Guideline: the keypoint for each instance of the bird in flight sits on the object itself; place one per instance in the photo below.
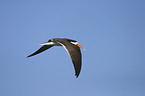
(72, 47)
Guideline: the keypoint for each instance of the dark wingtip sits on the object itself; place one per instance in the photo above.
(76, 75)
(28, 56)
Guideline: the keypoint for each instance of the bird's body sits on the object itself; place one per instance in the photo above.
(71, 46)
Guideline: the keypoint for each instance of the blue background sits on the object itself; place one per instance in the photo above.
(111, 31)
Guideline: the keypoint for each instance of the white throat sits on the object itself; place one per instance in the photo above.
(74, 43)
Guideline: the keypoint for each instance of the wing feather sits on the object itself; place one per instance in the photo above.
(43, 48)
(75, 54)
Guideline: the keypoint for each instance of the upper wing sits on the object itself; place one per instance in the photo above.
(43, 48)
(75, 54)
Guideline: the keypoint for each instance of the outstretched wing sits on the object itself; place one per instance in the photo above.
(43, 48)
(75, 54)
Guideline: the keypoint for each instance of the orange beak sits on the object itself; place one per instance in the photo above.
(80, 46)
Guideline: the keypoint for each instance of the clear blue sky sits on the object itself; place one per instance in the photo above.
(111, 31)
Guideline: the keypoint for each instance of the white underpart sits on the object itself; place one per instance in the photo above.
(74, 43)
(48, 43)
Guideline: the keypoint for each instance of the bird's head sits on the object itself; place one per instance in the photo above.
(76, 43)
